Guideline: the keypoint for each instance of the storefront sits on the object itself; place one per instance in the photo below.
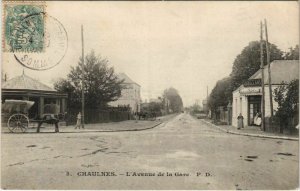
(247, 99)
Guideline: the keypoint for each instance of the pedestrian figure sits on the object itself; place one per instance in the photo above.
(257, 119)
(78, 124)
(240, 121)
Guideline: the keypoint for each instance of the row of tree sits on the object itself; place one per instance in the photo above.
(170, 102)
(244, 66)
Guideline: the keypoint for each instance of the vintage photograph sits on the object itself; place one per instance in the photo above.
(150, 95)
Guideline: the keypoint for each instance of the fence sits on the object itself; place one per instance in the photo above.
(98, 115)
(223, 115)
(287, 126)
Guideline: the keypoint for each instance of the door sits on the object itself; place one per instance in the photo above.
(254, 107)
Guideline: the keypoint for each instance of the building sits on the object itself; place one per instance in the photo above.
(247, 98)
(130, 95)
(26, 88)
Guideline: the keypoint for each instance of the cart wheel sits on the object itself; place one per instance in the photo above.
(18, 123)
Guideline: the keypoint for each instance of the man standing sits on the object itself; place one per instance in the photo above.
(78, 123)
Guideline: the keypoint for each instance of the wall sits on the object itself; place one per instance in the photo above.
(129, 96)
(239, 105)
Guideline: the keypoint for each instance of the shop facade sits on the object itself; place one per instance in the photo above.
(247, 99)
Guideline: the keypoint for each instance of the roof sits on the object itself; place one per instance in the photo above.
(281, 70)
(126, 79)
(25, 82)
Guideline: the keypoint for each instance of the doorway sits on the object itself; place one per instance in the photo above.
(254, 106)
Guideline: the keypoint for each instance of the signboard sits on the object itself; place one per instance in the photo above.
(250, 91)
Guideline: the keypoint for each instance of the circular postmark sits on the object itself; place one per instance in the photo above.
(53, 47)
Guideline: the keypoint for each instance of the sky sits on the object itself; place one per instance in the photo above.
(185, 45)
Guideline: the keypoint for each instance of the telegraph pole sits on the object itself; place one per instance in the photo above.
(269, 69)
(206, 93)
(262, 78)
(82, 80)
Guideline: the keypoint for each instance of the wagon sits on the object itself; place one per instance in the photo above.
(16, 111)
(147, 115)
(16, 114)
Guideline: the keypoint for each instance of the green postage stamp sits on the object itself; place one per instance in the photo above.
(24, 27)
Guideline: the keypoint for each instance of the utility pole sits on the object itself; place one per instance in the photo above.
(262, 78)
(206, 93)
(269, 69)
(82, 80)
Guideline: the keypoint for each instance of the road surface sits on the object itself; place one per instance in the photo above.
(182, 153)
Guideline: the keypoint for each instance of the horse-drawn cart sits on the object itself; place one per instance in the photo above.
(16, 114)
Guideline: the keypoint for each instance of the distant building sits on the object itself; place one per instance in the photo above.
(247, 98)
(26, 88)
(130, 95)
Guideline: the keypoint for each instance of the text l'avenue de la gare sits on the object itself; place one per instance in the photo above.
(139, 174)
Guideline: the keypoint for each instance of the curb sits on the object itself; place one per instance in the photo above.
(92, 131)
(251, 135)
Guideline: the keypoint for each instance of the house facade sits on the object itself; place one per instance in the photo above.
(247, 99)
(130, 95)
(26, 88)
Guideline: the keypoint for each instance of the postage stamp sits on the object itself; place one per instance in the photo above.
(24, 27)
(34, 38)
(54, 48)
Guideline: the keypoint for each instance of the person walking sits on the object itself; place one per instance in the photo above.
(78, 123)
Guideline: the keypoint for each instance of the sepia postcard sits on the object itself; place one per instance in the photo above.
(150, 95)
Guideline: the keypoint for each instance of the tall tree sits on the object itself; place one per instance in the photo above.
(248, 62)
(220, 94)
(174, 98)
(244, 66)
(100, 82)
(293, 54)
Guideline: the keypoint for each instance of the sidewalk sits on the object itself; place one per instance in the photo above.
(130, 125)
(251, 131)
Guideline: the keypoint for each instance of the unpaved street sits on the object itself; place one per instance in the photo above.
(197, 156)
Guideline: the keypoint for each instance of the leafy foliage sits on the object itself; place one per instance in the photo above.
(293, 54)
(100, 83)
(287, 97)
(153, 107)
(173, 96)
(244, 66)
(220, 94)
(196, 109)
(248, 62)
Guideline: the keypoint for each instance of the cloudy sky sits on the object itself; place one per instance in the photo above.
(185, 45)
